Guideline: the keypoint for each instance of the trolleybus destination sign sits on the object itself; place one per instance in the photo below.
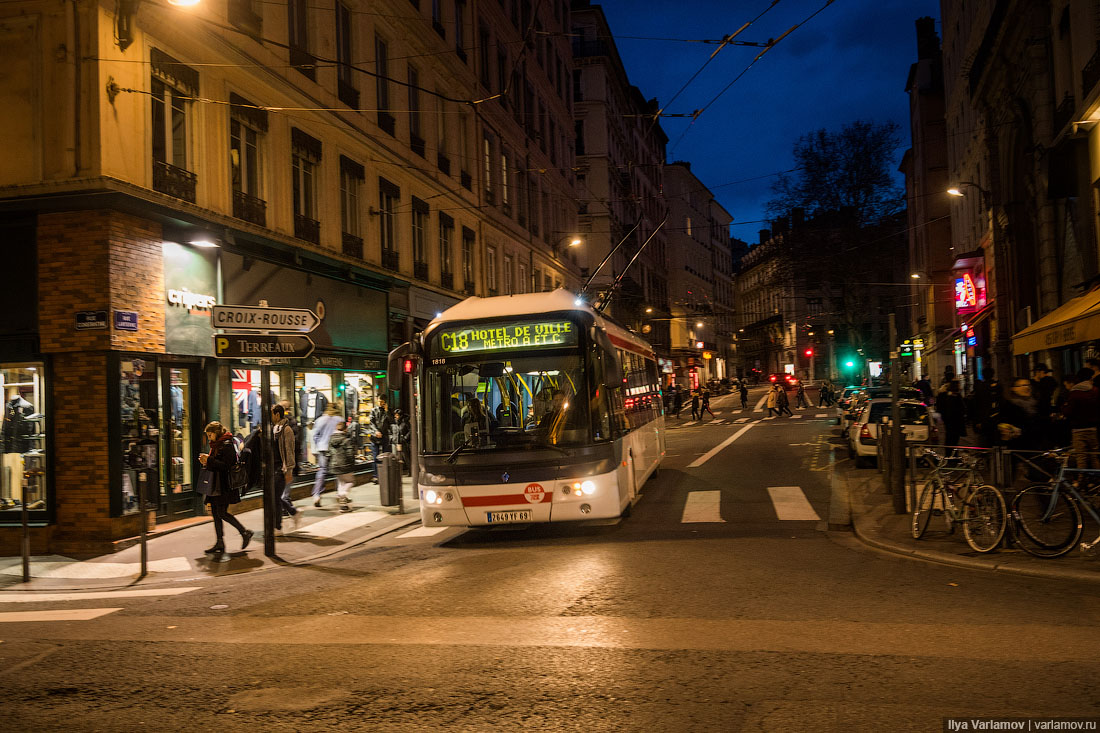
(507, 336)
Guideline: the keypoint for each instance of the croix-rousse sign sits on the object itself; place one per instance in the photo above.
(262, 318)
(258, 346)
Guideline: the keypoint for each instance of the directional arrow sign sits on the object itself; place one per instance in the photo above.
(258, 346)
(260, 318)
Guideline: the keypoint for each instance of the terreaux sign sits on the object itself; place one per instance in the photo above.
(507, 336)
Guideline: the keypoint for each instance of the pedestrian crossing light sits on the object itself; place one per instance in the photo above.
(809, 352)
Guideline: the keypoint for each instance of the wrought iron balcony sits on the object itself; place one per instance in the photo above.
(469, 288)
(174, 181)
(443, 163)
(391, 259)
(420, 271)
(348, 94)
(353, 246)
(307, 229)
(250, 208)
(417, 144)
(1090, 74)
(447, 280)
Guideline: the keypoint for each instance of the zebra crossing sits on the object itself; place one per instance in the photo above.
(77, 614)
(789, 503)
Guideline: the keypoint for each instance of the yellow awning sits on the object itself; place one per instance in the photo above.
(1074, 322)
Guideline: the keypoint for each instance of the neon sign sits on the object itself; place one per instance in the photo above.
(507, 336)
(969, 292)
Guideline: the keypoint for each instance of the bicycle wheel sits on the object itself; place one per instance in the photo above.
(922, 512)
(1047, 518)
(985, 517)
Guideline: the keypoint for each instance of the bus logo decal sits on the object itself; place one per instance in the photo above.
(534, 493)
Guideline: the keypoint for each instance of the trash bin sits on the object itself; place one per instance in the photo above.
(389, 482)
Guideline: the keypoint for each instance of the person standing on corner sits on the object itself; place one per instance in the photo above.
(322, 432)
(744, 389)
(952, 409)
(221, 458)
(380, 423)
(677, 402)
(284, 467)
(400, 435)
(341, 464)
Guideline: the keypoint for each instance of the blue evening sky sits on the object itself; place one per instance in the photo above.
(849, 62)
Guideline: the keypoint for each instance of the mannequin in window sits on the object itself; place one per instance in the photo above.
(16, 426)
(311, 404)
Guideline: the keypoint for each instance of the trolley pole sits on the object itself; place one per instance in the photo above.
(897, 435)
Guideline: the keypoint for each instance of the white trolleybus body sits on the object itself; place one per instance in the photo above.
(534, 409)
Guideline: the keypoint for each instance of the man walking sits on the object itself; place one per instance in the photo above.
(285, 462)
(695, 405)
(772, 402)
(783, 402)
(322, 433)
(744, 395)
(677, 401)
(705, 404)
(800, 401)
(380, 425)
(1082, 410)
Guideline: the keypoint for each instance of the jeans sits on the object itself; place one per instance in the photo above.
(344, 482)
(219, 509)
(319, 480)
(378, 446)
(282, 495)
(1084, 447)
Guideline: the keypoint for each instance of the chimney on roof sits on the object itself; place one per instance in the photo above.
(928, 43)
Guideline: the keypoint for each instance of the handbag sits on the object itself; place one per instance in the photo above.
(207, 482)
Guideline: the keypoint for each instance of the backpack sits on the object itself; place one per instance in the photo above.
(239, 479)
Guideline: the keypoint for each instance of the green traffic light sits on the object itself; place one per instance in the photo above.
(849, 363)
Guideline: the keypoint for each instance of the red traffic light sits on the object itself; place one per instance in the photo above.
(809, 352)
(408, 366)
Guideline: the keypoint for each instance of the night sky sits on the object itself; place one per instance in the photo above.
(849, 62)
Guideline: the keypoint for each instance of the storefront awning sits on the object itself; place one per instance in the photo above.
(1074, 322)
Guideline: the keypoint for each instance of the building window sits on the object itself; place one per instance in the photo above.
(345, 87)
(298, 37)
(305, 159)
(446, 250)
(464, 148)
(547, 283)
(171, 84)
(351, 182)
(437, 18)
(242, 13)
(509, 286)
(247, 126)
(505, 199)
(483, 57)
(468, 260)
(687, 225)
(416, 137)
(491, 270)
(382, 84)
(487, 167)
(522, 282)
(420, 238)
(23, 478)
(441, 147)
(460, 28)
(521, 199)
(388, 197)
(502, 72)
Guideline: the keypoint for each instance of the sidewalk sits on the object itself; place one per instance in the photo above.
(321, 531)
(875, 524)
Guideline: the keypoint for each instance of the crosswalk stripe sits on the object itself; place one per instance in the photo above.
(31, 597)
(791, 504)
(423, 532)
(689, 424)
(718, 448)
(742, 419)
(703, 506)
(73, 569)
(339, 524)
(760, 405)
(67, 614)
(822, 414)
(796, 417)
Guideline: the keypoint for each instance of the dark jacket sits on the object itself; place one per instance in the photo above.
(341, 454)
(380, 422)
(401, 432)
(223, 456)
(1082, 406)
(952, 410)
(1022, 415)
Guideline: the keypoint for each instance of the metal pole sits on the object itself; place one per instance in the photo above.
(414, 441)
(267, 446)
(897, 478)
(143, 518)
(26, 538)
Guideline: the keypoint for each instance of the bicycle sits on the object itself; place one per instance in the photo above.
(1049, 515)
(983, 513)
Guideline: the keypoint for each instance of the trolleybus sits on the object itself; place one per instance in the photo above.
(532, 408)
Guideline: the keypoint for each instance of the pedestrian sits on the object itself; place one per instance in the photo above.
(952, 409)
(744, 389)
(1082, 410)
(925, 388)
(400, 434)
(216, 463)
(800, 398)
(695, 400)
(1043, 388)
(783, 402)
(1094, 364)
(380, 422)
(299, 434)
(322, 432)
(285, 462)
(677, 402)
(705, 404)
(341, 463)
(772, 402)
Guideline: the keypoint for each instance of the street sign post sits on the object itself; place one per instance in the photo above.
(263, 318)
(260, 346)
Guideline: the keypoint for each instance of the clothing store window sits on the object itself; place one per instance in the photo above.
(314, 394)
(360, 394)
(247, 413)
(139, 409)
(23, 433)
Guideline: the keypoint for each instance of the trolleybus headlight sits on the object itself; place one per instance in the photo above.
(432, 497)
(588, 487)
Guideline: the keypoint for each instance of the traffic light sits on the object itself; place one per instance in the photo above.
(849, 364)
(809, 352)
(408, 366)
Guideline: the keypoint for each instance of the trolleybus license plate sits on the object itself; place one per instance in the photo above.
(517, 516)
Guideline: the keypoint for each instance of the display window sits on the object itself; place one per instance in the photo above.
(314, 396)
(245, 415)
(359, 399)
(23, 432)
(139, 412)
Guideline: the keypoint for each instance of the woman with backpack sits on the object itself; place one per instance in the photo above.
(215, 484)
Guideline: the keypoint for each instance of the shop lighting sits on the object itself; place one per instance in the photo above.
(201, 242)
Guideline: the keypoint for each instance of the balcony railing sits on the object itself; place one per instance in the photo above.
(307, 229)
(466, 180)
(250, 208)
(353, 245)
(420, 271)
(391, 259)
(443, 163)
(582, 49)
(447, 280)
(348, 94)
(304, 62)
(1063, 113)
(468, 288)
(173, 181)
(1090, 74)
(386, 121)
(417, 144)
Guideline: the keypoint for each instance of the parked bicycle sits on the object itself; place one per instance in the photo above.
(1048, 515)
(956, 490)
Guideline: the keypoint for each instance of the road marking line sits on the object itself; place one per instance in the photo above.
(791, 504)
(339, 524)
(67, 614)
(796, 417)
(689, 424)
(703, 506)
(760, 405)
(423, 532)
(31, 597)
(742, 419)
(822, 414)
(718, 448)
(74, 569)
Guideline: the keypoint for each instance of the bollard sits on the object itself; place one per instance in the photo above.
(389, 483)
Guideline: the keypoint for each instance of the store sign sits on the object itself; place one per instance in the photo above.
(262, 318)
(969, 292)
(91, 321)
(190, 285)
(507, 336)
(971, 338)
(251, 346)
(666, 365)
(191, 301)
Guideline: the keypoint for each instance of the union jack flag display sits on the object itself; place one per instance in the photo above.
(244, 381)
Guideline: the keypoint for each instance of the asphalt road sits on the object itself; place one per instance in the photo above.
(704, 610)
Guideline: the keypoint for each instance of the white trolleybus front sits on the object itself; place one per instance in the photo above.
(534, 409)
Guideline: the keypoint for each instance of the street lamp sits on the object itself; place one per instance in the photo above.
(958, 192)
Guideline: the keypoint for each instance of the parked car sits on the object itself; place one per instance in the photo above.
(871, 393)
(843, 400)
(862, 434)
